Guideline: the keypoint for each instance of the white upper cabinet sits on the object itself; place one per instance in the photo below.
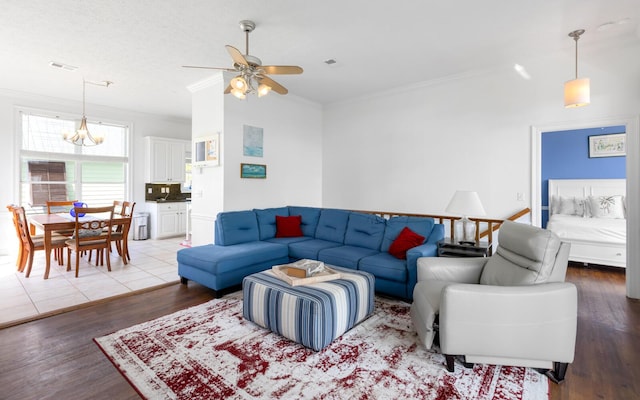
(165, 159)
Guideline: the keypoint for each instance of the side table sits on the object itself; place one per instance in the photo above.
(452, 248)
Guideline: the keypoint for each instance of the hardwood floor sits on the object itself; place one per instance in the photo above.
(607, 360)
(55, 358)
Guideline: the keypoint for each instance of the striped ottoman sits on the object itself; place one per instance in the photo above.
(312, 315)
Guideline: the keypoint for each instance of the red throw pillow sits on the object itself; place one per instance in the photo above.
(405, 240)
(288, 226)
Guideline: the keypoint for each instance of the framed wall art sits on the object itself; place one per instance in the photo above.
(206, 151)
(253, 171)
(607, 145)
(252, 141)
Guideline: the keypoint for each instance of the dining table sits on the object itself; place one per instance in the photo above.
(49, 223)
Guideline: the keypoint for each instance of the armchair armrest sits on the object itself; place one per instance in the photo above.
(536, 322)
(461, 270)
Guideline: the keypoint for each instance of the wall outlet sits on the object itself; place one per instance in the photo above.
(520, 196)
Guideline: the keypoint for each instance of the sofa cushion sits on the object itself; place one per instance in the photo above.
(309, 248)
(345, 256)
(525, 256)
(288, 226)
(267, 220)
(385, 266)
(365, 230)
(223, 259)
(420, 225)
(405, 240)
(332, 225)
(233, 227)
(310, 216)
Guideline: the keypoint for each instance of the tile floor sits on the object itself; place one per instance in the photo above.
(153, 263)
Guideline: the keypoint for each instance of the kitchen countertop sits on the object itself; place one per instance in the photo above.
(169, 200)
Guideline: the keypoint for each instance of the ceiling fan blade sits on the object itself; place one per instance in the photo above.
(237, 57)
(275, 86)
(281, 69)
(227, 90)
(194, 66)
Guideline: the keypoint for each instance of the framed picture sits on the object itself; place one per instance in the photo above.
(206, 151)
(608, 145)
(252, 141)
(253, 171)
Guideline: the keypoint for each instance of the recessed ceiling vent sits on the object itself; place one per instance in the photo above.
(60, 65)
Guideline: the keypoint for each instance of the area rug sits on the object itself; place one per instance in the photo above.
(210, 352)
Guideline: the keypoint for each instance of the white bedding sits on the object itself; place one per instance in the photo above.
(603, 230)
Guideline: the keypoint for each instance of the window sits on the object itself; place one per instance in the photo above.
(52, 169)
(48, 182)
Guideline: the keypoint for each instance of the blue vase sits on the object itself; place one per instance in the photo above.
(77, 204)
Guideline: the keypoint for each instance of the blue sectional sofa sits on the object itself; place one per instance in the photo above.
(248, 241)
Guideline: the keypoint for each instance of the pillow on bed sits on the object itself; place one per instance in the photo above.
(571, 206)
(567, 205)
(607, 206)
(582, 207)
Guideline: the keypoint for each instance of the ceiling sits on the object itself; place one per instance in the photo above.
(140, 45)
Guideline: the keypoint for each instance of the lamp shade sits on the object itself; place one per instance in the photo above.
(577, 93)
(466, 203)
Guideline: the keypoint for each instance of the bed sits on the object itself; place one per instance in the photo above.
(591, 215)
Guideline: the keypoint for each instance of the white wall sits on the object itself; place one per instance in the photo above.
(141, 125)
(409, 150)
(292, 129)
(208, 182)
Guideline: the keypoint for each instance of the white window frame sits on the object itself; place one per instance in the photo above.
(76, 157)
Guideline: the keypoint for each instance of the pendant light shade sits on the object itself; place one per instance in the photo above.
(577, 92)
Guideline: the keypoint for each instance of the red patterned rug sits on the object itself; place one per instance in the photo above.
(211, 352)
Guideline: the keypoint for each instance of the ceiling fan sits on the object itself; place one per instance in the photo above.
(252, 75)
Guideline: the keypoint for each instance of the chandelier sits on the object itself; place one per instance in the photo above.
(82, 136)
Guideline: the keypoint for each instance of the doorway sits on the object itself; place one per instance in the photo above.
(631, 125)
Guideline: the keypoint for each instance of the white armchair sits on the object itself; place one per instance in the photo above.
(512, 308)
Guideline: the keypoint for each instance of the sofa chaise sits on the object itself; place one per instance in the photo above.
(251, 241)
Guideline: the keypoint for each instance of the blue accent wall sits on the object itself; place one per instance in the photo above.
(565, 155)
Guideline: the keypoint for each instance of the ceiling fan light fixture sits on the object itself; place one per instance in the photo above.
(263, 90)
(239, 83)
(238, 93)
(577, 92)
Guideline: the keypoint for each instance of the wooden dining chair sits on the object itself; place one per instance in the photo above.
(58, 207)
(120, 231)
(91, 232)
(32, 243)
(19, 261)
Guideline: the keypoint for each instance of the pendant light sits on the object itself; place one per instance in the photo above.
(576, 91)
(82, 136)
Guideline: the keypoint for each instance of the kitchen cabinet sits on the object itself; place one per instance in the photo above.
(165, 159)
(167, 219)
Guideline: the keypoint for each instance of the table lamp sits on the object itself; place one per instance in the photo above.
(466, 203)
